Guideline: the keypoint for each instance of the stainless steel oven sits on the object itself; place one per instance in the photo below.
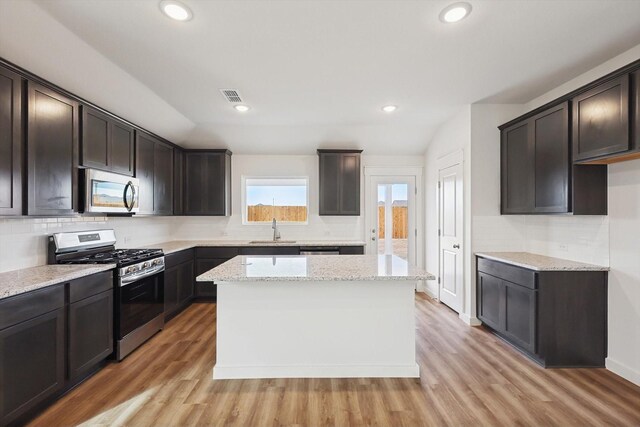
(106, 192)
(139, 304)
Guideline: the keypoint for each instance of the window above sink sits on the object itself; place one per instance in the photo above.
(284, 198)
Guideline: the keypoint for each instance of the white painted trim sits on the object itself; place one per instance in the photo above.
(393, 171)
(471, 321)
(334, 371)
(451, 159)
(623, 370)
(429, 293)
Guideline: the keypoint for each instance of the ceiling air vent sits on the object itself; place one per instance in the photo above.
(232, 95)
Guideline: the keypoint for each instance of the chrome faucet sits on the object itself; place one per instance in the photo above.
(276, 233)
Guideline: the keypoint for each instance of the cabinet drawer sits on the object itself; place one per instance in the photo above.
(177, 258)
(220, 252)
(271, 250)
(20, 308)
(351, 250)
(91, 285)
(510, 273)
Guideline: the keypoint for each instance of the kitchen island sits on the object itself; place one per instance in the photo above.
(315, 316)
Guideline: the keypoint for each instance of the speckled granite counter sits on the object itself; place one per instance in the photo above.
(181, 245)
(539, 262)
(29, 279)
(315, 268)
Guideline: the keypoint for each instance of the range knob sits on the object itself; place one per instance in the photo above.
(145, 265)
(156, 262)
(129, 270)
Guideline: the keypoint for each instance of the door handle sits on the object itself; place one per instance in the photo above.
(456, 246)
(373, 239)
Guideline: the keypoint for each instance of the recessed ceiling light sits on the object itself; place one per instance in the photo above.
(241, 108)
(176, 10)
(455, 12)
(389, 108)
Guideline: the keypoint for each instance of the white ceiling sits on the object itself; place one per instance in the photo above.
(316, 73)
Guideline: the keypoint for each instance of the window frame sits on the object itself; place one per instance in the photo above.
(244, 207)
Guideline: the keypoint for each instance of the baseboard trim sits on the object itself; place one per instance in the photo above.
(623, 370)
(471, 321)
(345, 371)
(430, 293)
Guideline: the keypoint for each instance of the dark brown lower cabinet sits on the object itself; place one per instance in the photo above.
(90, 333)
(50, 339)
(32, 351)
(557, 318)
(351, 250)
(178, 282)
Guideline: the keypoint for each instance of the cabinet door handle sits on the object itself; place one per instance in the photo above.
(456, 246)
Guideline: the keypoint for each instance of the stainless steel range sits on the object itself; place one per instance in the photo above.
(139, 282)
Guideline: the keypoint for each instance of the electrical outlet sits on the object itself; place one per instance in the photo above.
(563, 247)
(127, 239)
(327, 233)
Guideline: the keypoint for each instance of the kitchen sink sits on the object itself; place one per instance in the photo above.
(272, 241)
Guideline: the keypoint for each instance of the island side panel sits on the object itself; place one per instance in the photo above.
(315, 330)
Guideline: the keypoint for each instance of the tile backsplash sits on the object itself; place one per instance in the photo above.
(23, 241)
(577, 238)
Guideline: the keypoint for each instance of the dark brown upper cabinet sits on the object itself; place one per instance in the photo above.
(339, 182)
(537, 175)
(11, 120)
(207, 182)
(163, 179)
(601, 120)
(517, 169)
(552, 160)
(154, 169)
(52, 152)
(107, 143)
(178, 181)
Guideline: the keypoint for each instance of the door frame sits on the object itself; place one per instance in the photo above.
(449, 160)
(413, 171)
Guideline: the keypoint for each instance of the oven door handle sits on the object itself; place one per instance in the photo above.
(124, 281)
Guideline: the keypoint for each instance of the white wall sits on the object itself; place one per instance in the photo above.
(32, 39)
(453, 135)
(624, 277)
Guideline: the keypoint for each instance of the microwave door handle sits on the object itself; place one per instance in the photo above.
(133, 196)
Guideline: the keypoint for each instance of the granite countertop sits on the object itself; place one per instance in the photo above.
(29, 279)
(302, 268)
(181, 245)
(540, 262)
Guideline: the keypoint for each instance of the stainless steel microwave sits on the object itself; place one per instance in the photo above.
(107, 192)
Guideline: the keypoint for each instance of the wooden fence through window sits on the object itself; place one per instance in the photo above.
(400, 216)
(265, 213)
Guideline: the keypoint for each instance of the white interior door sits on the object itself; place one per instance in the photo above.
(392, 216)
(451, 236)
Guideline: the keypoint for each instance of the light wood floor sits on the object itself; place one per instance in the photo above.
(468, 377)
